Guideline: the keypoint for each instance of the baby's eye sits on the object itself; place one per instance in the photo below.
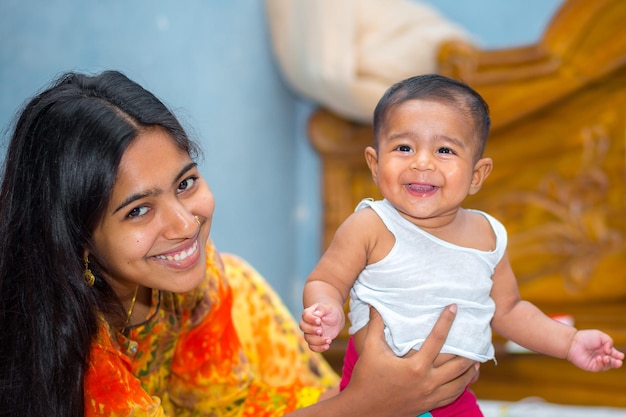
(138, 211)
(186, 184)
(445, 150)
(404, 148)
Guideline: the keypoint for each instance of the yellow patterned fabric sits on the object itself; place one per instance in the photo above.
(228, 348)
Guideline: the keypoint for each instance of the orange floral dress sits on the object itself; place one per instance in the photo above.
(228, 348)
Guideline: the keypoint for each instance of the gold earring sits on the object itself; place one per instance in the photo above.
(90, 278)
(197, 219)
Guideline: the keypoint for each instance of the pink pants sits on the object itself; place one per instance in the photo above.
(465, 405)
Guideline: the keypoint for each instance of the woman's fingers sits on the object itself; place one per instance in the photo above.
(434, 342)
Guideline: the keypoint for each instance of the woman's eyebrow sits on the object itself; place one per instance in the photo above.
(155, 191)
(183, 171)
(138, 196)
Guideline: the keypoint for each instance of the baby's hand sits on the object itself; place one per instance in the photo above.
(320, 324)
(592, 350)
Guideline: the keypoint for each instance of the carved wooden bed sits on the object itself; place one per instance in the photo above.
(559, 185)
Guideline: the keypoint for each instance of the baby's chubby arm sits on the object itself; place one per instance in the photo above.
(522, 322)
(328, 287)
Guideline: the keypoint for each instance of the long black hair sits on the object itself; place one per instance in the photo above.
(60, 168)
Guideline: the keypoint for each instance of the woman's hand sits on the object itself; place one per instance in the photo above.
(410, 385)
(383, 384)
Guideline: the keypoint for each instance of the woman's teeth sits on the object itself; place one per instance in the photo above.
(181, 256)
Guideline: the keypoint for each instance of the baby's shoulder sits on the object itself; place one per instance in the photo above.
(362, 219)
(486, 220)
(481, 224)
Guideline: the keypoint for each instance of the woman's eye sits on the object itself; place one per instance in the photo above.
(138, 211)
(186, 184)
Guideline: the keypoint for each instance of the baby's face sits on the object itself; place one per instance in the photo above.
(425, 161)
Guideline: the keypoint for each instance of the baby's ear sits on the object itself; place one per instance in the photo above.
(371, 157)
(482, 169)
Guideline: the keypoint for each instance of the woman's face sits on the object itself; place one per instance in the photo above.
(149, 235)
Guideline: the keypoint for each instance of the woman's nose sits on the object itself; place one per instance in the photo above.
(180, 223)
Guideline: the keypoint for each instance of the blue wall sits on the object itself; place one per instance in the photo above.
(500, 24)
(211, 61)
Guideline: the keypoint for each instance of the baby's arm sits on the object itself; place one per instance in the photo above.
(523, 323)
(328, 287)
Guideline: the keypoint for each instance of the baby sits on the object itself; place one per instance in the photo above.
(417, 251)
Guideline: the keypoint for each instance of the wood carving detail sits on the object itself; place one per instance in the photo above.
(577, 232)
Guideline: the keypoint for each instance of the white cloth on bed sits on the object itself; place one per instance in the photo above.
(344, 54)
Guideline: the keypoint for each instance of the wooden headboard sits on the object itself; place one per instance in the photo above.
(558, 142)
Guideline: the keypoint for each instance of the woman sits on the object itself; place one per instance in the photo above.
(115, 302)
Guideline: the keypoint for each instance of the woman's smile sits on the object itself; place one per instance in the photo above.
(182, 258)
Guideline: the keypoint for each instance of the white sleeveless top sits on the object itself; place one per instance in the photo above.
(419, 277)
